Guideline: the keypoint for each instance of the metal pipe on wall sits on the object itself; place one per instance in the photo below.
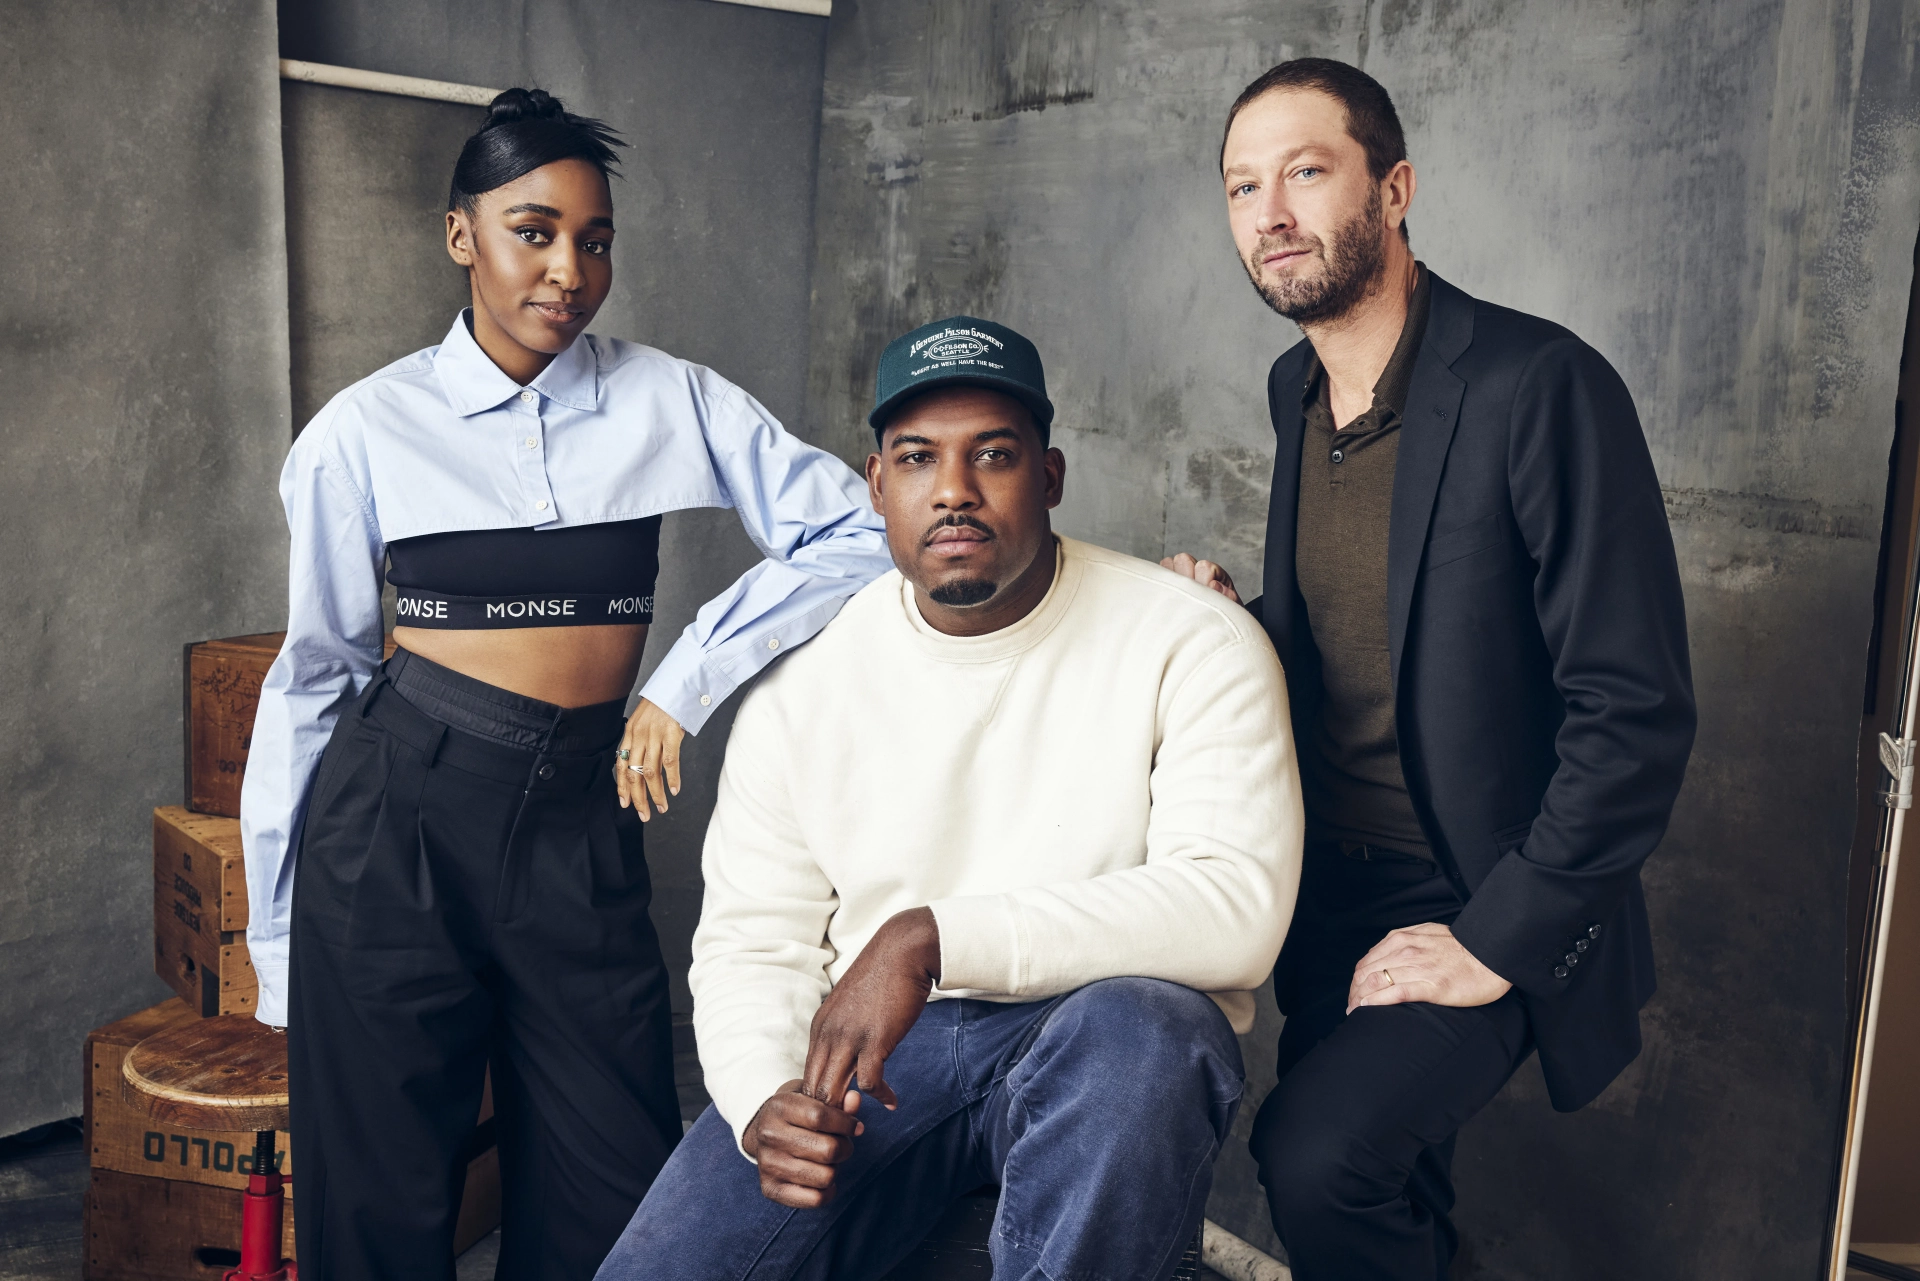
(818, 8)
(320, 73)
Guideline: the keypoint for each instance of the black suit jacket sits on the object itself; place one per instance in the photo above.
(1539, 647)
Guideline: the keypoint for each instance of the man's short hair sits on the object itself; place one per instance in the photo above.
(1371, 119)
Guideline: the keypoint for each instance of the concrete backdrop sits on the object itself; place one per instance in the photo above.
(1723, 199)
(143, 344)
(721, 104)
(368, 276)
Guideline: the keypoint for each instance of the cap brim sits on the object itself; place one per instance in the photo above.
(1039, 406)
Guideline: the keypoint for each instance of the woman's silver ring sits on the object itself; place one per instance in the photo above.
(636, 769)
(623, 753)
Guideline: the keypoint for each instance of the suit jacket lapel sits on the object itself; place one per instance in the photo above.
(1283, 506)
(1426, 433)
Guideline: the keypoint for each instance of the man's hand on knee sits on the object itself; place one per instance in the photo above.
(874, 1004)
(798, 1141)
(1423, 963)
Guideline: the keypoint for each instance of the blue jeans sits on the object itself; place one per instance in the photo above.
(1098, 1113)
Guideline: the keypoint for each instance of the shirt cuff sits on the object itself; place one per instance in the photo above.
(746, 1090)
(271, 1005)
(684, 688)
(980, 947)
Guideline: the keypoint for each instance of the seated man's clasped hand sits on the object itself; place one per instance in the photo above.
(803, 1132)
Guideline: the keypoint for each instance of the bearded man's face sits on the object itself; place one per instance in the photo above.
(1307, 215)
(1309, 278)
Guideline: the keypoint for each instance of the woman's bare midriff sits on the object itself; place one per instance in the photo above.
(566, 666)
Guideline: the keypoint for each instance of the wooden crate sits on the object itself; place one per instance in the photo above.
(198, 855)
(161, 1198)
(223, 693)
(145, 1229)
(200, 911)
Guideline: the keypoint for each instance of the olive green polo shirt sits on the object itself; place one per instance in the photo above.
(1350, 768)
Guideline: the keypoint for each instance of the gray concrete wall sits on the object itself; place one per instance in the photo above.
(721, 103)
(143, 345)
(368, 276)
(1723, 199)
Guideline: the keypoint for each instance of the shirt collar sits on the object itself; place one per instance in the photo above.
(471, 381)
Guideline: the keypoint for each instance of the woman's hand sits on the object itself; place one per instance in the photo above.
(651, 768)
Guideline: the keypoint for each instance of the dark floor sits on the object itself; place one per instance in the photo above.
(43, 1178)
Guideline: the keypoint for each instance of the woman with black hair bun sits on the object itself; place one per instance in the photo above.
(470, 886)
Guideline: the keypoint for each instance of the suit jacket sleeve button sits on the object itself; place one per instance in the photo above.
(1581, 945)
(1593, 931)
(1572, 958)
(1561, 971)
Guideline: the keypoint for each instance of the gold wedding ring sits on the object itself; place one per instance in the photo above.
(1389, 974)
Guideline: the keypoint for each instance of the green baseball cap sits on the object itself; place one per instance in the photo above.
(960, 351)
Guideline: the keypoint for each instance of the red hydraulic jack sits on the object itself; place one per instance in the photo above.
(262, 1220)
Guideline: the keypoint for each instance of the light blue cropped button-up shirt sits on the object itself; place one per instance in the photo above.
(444, 440)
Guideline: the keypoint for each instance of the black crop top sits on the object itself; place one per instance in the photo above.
(479, 578)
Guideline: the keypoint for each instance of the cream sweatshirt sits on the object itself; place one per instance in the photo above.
(1105, 788)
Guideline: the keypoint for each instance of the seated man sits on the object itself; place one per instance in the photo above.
(982, 852)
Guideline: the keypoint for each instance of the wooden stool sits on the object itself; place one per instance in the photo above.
(225, 1073)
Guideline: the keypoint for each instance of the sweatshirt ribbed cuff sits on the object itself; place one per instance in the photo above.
(744, 1089)
(980, 946)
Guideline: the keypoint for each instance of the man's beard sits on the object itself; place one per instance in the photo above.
(965, 591)
(961, 592)
(1355, 258)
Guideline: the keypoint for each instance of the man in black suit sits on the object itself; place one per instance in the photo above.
(1471, 582)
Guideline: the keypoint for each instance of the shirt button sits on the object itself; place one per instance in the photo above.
(527, 396)
(1338, 456)
(774, 643)
(706, 700)
(541, 505)
(532, 443)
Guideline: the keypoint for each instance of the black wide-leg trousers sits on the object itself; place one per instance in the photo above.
(1355, 1143)
(465, 899)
